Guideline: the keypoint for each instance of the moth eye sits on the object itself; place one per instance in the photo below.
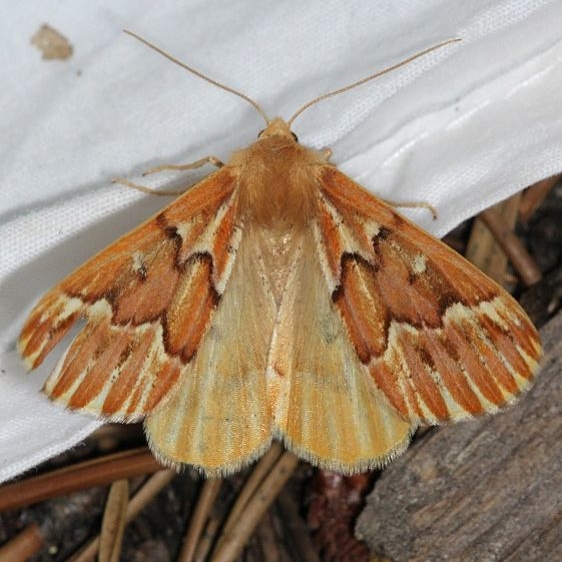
(293, 135)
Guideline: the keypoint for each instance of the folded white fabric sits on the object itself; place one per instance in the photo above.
(462, 128)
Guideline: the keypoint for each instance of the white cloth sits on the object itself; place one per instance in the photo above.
(461, 128)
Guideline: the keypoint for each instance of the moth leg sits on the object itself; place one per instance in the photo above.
(327, 153)
(413, 205)
(193, 165)
(145, 189)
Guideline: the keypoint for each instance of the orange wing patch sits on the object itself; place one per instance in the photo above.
(147, 300)
(441, 340)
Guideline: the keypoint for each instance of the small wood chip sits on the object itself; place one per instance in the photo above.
(51, 43)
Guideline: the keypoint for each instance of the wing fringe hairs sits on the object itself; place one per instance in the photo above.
(279, 299)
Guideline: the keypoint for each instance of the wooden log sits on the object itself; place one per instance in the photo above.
(489, 489)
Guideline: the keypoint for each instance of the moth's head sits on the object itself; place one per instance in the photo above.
(278, 128)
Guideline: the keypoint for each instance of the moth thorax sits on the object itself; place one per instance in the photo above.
(279, 190)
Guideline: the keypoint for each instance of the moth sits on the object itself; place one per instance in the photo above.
(278, 299)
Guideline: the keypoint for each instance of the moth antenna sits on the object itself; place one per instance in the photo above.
(201, 75)
(370, 77)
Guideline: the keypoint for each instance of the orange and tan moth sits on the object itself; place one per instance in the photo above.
(278, 299)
